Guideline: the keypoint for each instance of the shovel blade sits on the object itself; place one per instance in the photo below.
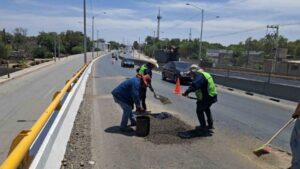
(163, 100)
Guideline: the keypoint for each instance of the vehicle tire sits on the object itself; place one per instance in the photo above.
(163, 77)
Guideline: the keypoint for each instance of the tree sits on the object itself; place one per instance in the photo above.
(149, 40)
(114, 45)
(4, 50)
(77, 50)
(136, 45)
(40, 52)
(19, 38)
(70, 39)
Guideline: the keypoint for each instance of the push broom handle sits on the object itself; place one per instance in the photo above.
(279, 131)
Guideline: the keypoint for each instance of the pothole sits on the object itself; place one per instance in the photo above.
(164, 129)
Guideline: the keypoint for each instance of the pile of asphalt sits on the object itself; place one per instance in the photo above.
(165, 130)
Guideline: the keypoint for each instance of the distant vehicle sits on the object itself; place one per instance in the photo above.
(176, 69)
(127, 63)
(166, 55)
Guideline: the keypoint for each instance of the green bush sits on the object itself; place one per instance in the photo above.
(41, 52)
(77, 50)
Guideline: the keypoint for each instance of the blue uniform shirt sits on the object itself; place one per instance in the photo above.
(128, 91)
(199, 82)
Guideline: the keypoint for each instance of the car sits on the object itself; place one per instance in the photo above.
(127, 63)
(176, 69)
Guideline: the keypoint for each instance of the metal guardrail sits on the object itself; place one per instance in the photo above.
(18, 156)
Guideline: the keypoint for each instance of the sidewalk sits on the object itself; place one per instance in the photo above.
(25, 71)
(28, 70)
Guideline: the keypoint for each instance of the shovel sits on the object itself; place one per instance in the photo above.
(191, 97)
(162, 99)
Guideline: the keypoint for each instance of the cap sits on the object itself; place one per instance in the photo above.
(194, 68)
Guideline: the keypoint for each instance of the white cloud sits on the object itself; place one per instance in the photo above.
(121, 22)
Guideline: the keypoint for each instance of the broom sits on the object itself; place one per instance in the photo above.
(265, 149)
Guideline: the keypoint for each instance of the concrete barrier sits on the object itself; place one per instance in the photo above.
(286, 92)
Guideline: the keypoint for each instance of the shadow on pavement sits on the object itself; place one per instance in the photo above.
(189, 134)
(116, 130)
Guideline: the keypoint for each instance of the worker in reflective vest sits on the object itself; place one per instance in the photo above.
(205, 90)
(146, 69)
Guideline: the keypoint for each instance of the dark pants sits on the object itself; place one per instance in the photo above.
(143, 95)
(204, 107)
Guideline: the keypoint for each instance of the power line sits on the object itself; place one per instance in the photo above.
(237, 32)
(249, 30)
(185, 20)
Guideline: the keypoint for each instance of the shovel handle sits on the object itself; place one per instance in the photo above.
(193, 98)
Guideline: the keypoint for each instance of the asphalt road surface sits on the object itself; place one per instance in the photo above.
(242, 123)
(275, 80)
(23, 99)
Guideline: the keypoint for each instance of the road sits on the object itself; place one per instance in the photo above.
(242, 123)
(275, 80)
(23, 99)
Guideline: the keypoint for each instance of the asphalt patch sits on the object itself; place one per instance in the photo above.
(165, 130)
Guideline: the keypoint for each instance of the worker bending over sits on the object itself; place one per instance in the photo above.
(126, 95)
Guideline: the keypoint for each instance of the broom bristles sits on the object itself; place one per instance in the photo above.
(262, 150)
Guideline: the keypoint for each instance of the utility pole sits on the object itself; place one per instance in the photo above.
(97, 43)
(55, 48)
(139, 48)
(200, 46)
(190, 35)
(58, 47)
(276, 37)
(93, 48)
(84, 28)
(158, 23)
(7, 61)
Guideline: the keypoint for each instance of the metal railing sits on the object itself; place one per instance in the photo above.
(18, 156)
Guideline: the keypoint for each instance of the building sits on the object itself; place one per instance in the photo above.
(224, 57)
(100, 44)
(219, 56)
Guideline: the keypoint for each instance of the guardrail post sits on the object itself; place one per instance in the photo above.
(59, 104)
(27, 159)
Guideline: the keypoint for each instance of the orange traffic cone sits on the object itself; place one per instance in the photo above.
(177, 89)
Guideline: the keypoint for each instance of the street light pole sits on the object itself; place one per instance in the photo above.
(97, 43)
(84, 29)
(202, 17)
(200, 46)
(93, 49)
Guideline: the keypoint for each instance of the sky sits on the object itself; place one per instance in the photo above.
(225, 21)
